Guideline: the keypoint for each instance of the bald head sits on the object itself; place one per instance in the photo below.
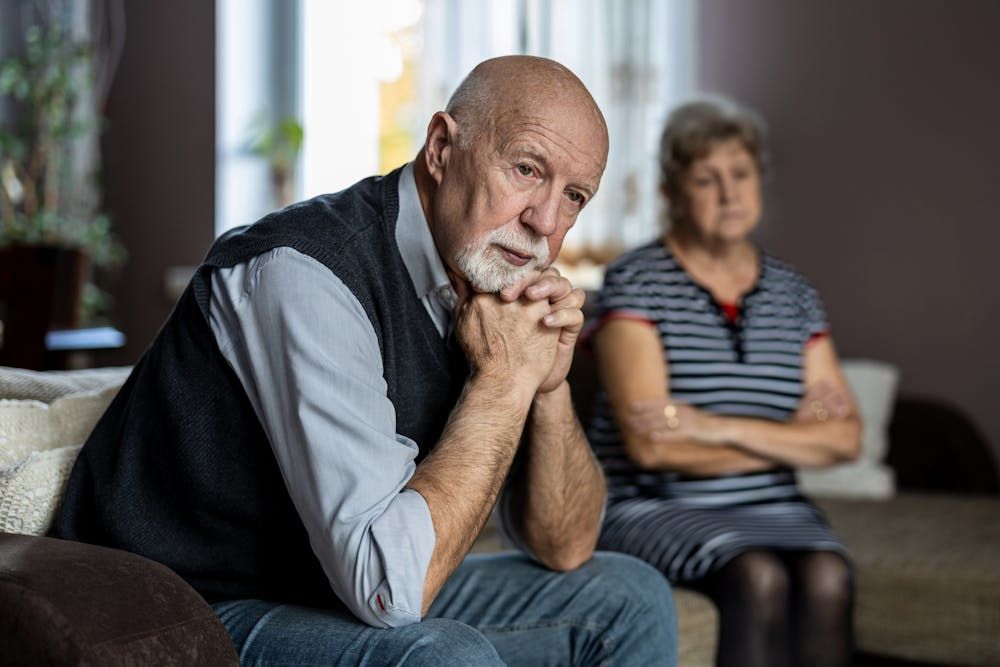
(517, 86)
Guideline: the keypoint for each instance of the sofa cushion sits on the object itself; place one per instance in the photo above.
(697, 628)
(67, 603)
(47, 386)
(873, 384)
(44, 420)
(927, 578)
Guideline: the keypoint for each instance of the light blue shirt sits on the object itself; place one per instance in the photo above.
(308, 357)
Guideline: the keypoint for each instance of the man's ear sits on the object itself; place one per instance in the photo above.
(442, 133)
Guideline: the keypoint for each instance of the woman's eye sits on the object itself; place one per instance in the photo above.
(525, 170)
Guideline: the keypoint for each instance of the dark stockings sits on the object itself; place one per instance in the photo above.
(783, 608)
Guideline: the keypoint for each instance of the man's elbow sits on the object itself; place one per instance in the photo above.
(377, 609)
(566, 562)
(568, 555)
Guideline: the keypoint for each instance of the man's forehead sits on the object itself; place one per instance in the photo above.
(572, 144)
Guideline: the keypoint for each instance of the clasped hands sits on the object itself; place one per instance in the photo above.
(526, 332)
(663, 420)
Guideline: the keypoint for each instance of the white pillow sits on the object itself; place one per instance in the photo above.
(28, 426)
(39, 440)
(873, 384)
(47, 386)
(30, 491)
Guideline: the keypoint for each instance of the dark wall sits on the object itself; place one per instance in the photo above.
(886, 156)
(159, 157)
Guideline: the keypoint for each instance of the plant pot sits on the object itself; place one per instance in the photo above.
(40, 290)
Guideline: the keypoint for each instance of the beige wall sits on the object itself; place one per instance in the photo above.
(885, 149)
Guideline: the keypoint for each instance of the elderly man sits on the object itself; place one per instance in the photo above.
(324, 424)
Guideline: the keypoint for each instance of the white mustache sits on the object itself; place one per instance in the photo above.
(521, 241)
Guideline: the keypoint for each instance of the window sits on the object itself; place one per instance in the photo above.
(365, 78)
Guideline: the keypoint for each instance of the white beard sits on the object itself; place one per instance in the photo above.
(486, 269)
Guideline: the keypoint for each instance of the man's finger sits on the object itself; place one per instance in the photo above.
(564, 317)
(514, 292)
(551, 287)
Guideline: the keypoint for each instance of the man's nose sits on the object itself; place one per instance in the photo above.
(542, 216)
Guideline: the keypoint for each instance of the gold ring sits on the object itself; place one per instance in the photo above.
(670, 412)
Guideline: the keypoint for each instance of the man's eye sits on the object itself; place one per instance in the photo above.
(575, 197)
(525, 170)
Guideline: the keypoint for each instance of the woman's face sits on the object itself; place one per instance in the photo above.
(720, 198)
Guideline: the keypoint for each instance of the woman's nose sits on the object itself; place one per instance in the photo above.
(727, 190)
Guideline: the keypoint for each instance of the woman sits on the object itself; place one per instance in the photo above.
(719, 377)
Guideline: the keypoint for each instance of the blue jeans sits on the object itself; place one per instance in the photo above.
(495, 609)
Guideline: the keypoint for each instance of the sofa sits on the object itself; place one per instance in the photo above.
(925, 556)
(66, 603)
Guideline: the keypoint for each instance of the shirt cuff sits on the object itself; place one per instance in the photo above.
(405, 539)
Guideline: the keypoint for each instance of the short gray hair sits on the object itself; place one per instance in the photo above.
(471, 105)
(694, 128)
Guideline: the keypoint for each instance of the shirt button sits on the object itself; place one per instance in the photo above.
(447, 296)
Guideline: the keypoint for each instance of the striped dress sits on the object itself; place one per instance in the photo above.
(688, 527)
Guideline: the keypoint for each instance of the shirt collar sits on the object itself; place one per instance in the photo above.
(413, 236)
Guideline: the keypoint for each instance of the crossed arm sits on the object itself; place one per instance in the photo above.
(825, 430)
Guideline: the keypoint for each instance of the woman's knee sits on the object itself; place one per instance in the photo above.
(759, 579)
(827, 580)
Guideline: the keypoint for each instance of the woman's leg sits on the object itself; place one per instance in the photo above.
(752, 594)
(823, 596)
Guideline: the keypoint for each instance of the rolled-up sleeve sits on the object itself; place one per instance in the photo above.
(309, 360)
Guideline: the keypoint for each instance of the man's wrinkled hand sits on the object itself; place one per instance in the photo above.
(507, 340)
(565, 316)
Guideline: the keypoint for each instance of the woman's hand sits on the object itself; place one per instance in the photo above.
(822, 402)
(662, 420)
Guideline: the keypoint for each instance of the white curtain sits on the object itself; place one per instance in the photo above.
(635, 56)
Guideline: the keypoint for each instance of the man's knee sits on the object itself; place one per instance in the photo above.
(441, 641)
(643, 586)
(638, 597)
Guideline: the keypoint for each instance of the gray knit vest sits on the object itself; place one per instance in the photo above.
(179, 469)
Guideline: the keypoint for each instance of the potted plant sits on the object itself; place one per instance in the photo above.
(50, 230)
(279, 143)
